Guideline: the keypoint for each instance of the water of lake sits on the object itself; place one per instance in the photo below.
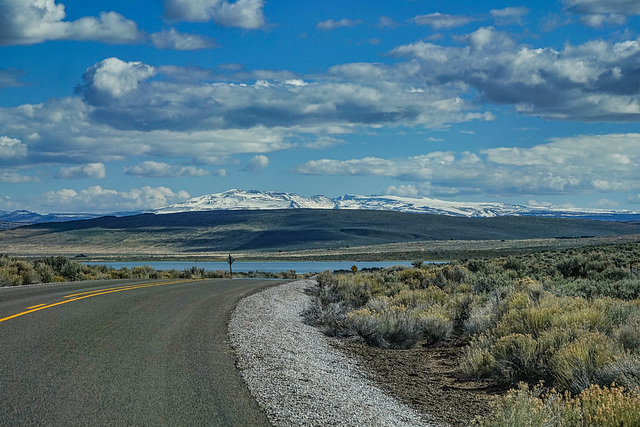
(263, 266)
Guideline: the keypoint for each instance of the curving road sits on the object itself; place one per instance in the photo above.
(123, 353)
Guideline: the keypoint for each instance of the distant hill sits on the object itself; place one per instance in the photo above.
(285, 230)
(271, 200)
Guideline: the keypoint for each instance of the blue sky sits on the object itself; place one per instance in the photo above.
(117, 105)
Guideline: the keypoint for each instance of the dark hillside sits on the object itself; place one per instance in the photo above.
(293, 229)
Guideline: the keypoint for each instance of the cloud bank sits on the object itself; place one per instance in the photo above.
(101, 200)
(584, 163)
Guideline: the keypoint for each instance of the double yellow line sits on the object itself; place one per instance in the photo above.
(89, 294)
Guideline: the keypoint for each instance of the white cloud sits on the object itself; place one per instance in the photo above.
(588, 164)
(509, 15)
(24, 22)
(595, 81)
(172, 39)
(112, 78)
(91, 170)
(11, 148)
(440, 21)
(100, 200)
(257, 163)
(246, 14)
(164, 170)
(596, 13)
(15, 178)
(330, 24)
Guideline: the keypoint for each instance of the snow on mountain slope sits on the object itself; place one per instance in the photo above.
(249, 200)
(253, 200)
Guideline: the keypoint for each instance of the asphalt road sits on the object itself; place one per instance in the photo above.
(115, 353)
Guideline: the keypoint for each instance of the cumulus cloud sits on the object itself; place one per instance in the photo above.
(172, 39)
(587, 163)
(24, 22)
(101, 200)
(330, 24)
(112, 79)
(91, 170)
(125, 97)
(246, 14)
(509, 15)
(596, 13)
(440, 21)
(11, 148)
(595, 81)
(257, 163)
(164, 170)
(120, 115)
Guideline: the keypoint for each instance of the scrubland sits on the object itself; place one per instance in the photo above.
(15, 271)
(561, 329)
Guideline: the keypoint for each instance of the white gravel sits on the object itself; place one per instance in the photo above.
(296, 376)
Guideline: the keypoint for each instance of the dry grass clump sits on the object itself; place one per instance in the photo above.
(594, 407)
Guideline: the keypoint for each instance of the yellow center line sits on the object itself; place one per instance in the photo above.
(95, 293)
(108, 289)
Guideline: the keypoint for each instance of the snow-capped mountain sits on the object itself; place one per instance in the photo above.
(263, 200)
(249, 200)
(254, 200)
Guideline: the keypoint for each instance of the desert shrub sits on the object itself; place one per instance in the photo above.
(398, 327)
(573, 267)
(8, 278)
(481, 319)
(421, 297)
(628, 335)
(416, 278)
(460, 307)
(625, 288)
(516, 358)
(515, 264)
(624, 371)
(435, 326)
(45, 272)
(477, 359)
(485, 283)
(578, 365)
(329, 318)
(595, 406)
(395, 327)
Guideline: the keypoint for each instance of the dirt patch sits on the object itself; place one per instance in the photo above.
(427, 380)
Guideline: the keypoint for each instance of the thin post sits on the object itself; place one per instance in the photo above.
(230, 261)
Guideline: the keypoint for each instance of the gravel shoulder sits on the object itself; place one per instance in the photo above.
(298, 375)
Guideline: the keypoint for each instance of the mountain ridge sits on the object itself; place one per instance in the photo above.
(236, 199)
(260, 200)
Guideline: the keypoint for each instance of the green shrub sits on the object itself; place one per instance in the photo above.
(399, 327)
(595, 407)
(578, 365)
(516, 358)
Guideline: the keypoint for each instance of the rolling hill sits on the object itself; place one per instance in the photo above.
(285, 230)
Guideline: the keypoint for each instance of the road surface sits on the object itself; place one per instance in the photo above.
(128, 352)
